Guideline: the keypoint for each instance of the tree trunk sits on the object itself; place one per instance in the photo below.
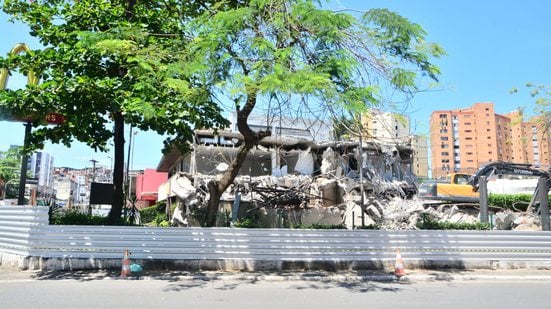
(251, 139)
(118, 170)
(118, 140)
(216, 188)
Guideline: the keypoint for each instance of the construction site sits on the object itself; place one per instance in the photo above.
(290, 182)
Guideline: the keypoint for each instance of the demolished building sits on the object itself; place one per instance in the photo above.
(288, 181)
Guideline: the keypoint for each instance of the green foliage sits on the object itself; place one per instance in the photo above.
(10, 164)
(247, 223)
(153, 215)
(102, 57)
(282, 48)
(518, 202)
(429, 223)
(368, 227)
(542, 96)
(72, 217)
(319, 226)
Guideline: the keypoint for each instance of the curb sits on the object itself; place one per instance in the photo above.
(433, 276)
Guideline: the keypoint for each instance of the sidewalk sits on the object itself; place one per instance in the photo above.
(9, 274)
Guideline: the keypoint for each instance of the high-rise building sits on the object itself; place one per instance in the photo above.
(464, 139)
(394, 128)
(41, 166)
(386, 126)
(420, 156)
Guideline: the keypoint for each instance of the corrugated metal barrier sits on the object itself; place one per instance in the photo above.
(25, 231)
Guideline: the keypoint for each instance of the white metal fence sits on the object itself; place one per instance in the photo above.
(25, 231)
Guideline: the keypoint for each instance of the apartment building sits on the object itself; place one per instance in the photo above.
(420, 156)
(394, 128)
(386, 126)
(464, 139)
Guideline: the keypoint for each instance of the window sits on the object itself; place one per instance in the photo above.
(444, 138)
(442, 116)
(445, 153)
(461, 179)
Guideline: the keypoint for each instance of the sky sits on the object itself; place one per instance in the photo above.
(492, 46)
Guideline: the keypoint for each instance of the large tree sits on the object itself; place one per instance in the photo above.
(10, 161)
(292, 51)
(106, 64)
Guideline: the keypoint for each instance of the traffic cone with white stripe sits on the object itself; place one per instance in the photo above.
(125, 271)
(399, 265)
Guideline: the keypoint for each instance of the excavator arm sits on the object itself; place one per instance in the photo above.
(503, 168)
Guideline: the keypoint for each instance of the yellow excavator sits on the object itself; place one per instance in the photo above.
(463, 188)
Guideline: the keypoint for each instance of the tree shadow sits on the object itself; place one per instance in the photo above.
(355, 287)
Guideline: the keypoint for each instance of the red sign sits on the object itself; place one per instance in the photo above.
(51, 118)
(55, 118)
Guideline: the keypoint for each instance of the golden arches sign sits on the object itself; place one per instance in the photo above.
(4, 72)
(32, 79)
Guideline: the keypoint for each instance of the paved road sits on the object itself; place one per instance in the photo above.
(74, 291)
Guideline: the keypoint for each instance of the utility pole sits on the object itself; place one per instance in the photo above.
(361, 163)
(93, 180)
(23, 173)
(111, 169)
(94, 169)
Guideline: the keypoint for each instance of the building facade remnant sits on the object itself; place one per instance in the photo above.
(288, 175)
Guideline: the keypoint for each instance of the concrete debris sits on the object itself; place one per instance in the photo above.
(296, 183)
(294, 200)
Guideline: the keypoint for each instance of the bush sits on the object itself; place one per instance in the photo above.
(72, 217)
(518, 202)
(247, 223)
(368, 227)
(431, 224)
(153, 215)
(319, 226)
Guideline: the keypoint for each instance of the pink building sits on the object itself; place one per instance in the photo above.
(147, 186)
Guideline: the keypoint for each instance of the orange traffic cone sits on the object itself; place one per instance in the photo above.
(399, 265)
(125, 271)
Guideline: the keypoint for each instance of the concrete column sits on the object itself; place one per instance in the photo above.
(483, 191)
(544, 203)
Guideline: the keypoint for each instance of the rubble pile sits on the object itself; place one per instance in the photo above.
(294, 200)
(289, 183)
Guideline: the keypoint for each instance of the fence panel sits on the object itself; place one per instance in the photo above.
(25, 231)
